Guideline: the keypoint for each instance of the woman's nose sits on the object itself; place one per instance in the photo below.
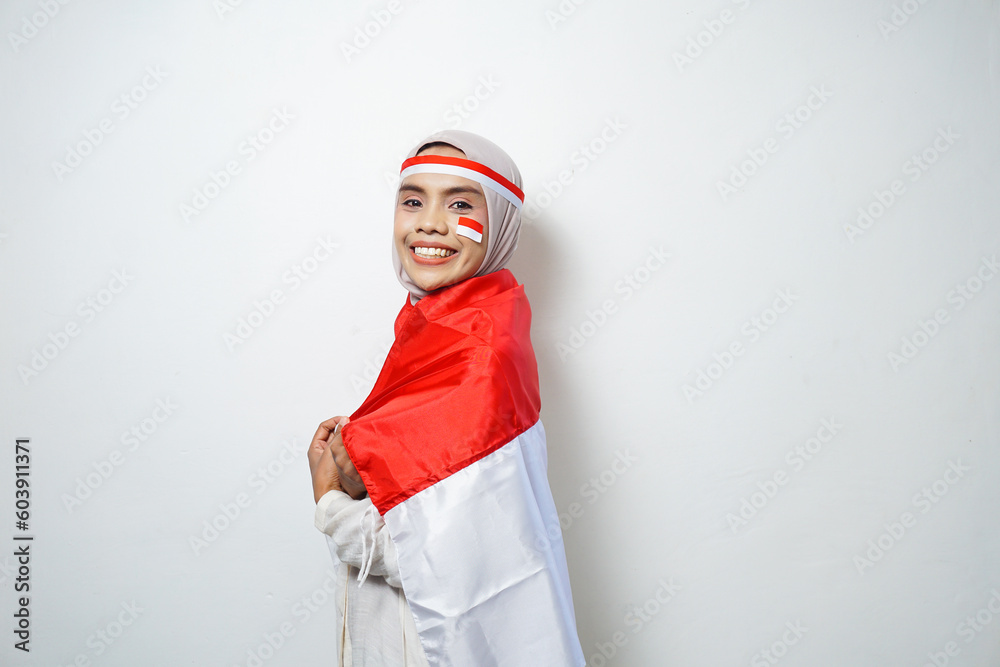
(432, 220)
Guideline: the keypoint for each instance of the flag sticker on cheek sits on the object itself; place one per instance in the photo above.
(471, 229)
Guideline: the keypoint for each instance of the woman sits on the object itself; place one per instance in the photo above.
(435, 489)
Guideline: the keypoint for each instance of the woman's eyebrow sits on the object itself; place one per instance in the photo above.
(456, 190)
(463, 189)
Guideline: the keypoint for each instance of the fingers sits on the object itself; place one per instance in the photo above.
(329, 463)
(345, 466)
(327, 427)
(325, 476)
(321, 440)
(349, 475)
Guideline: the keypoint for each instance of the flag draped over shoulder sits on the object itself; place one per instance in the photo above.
(451, 449)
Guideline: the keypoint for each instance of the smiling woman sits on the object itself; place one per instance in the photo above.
(435, 491)
(434, 213)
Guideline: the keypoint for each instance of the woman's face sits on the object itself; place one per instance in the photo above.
(428, 208)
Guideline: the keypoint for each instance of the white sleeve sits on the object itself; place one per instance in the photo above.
(359, 533)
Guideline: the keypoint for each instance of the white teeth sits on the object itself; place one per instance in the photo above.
(432, 252)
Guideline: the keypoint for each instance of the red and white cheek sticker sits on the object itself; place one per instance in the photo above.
(471, 229)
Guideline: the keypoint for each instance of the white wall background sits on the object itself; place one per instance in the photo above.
(665, 569)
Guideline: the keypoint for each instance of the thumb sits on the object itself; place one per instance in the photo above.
(343, 421)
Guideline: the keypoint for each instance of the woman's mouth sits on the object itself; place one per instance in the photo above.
(431, 256)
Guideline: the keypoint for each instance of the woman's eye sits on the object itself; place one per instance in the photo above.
(462, 205)
(411, 203)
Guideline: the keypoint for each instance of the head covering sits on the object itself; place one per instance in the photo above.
(504, 217)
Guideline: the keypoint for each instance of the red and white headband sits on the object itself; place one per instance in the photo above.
(480, 173)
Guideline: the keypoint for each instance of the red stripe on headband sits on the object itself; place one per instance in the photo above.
(468, 164)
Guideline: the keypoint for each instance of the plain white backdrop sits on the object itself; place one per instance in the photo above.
(762, 262)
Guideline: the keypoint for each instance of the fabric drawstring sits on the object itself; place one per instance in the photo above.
(366, 556)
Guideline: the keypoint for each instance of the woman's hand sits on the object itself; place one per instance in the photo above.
(330, 464)
(322, 468)
(350, 480)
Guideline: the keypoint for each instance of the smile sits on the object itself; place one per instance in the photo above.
(428, 256)
(422, 251)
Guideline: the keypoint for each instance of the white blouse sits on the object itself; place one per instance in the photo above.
(375, 626)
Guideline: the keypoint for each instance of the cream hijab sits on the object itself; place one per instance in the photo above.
(504, 218)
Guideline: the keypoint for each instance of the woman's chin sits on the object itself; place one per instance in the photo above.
(431, 285)
(430, 280)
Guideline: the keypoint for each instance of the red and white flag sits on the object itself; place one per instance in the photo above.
(451, 449)
(470, 228)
